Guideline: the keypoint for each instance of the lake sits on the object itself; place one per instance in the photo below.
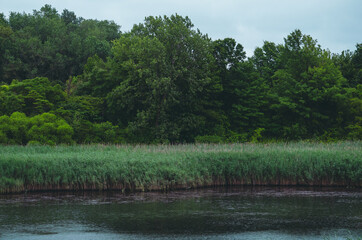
(220, 213)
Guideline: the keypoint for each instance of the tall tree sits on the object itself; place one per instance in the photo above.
(47, 44)
(306, 91)
(164, 68)
(267, 60)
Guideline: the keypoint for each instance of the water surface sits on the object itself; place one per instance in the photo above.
(223, 213)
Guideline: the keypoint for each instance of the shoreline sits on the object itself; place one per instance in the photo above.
(184, 189)
(257, 190)
(45, 189)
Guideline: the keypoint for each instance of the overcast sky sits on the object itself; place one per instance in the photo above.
(336, 24)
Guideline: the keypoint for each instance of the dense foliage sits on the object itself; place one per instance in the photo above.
(163, 167)
(75, 80)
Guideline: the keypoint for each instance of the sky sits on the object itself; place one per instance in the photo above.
(336, 24)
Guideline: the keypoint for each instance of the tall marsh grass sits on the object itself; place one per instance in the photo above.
(164, 167)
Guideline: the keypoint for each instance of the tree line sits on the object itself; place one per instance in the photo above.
(65, 79)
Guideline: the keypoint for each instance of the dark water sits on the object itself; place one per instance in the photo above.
(234, 213)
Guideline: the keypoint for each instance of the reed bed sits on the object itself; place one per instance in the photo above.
(167, 167)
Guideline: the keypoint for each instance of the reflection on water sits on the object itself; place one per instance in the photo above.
(233, 213)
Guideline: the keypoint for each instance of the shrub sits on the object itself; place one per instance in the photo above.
(14, 128)
(47, 128)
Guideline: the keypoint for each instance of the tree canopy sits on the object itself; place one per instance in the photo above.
(66, 79)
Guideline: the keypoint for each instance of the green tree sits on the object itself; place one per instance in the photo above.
(13, 129)
(267, 60)
(47, 128)
(243, 90)
(357, 66)
(245, 99)
(6, 34)
(96, 79)
(9, 101)
(47, 44)
(163, 70)
(36, 95)
(227, 54)
(306, 97)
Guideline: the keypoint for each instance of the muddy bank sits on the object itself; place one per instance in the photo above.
(165, 187)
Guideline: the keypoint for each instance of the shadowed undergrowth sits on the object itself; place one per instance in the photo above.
(132, 168)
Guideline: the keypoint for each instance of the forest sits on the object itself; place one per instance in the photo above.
(65, 80)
